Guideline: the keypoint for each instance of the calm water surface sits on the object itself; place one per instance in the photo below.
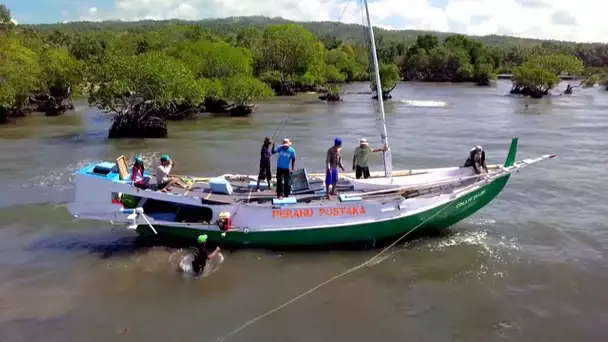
(531, 266)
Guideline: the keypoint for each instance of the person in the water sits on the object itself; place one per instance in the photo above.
(202, 255)
(477, 160)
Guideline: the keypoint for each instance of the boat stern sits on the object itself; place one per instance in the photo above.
(96, 192)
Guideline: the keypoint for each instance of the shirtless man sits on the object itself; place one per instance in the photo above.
(333, 161)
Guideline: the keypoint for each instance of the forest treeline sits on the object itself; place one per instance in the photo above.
(148, 72)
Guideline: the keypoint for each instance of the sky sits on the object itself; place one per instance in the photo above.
(580, 20)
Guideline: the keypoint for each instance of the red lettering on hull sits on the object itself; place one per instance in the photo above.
(324, 212)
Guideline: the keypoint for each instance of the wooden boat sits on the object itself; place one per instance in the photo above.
(232, 212)
(229, 211)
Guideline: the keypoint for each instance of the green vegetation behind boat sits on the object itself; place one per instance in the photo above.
(150, 72)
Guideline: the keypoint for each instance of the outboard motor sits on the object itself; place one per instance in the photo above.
(225, 221)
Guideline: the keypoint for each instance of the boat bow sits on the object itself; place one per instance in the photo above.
(443, 176)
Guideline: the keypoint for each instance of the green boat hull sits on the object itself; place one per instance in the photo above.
(440, 217)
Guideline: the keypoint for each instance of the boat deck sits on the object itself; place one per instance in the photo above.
(243, 192)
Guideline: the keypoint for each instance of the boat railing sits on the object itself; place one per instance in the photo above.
(314, 175)
(401, 189)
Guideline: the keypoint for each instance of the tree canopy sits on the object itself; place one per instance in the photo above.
(20, 73)
(455, 59)
(539, 74)
(171, 68)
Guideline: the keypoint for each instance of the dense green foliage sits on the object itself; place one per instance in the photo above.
(539, 74)
(391, 44)
(171, 69)
(457, 58)
(20, 73)
(595, 76)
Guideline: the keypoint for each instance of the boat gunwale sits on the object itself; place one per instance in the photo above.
(442, 199)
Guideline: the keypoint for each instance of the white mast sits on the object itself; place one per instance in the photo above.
(388, 167)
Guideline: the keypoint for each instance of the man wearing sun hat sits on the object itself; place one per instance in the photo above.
(361, 157)
(286, 165)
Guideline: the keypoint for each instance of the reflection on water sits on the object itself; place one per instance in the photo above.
(530, 266)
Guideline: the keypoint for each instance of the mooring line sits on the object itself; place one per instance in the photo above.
(250, 322)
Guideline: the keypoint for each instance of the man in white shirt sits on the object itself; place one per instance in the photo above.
(164, 180)
(361, 157)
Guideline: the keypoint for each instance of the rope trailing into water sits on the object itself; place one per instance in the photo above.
(293, 300)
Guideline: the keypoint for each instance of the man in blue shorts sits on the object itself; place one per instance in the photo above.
(333, 161)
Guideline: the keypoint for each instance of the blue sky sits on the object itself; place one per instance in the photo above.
(48, 11)
(553, 19)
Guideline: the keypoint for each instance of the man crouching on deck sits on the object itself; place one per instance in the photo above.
(477, 159)
(333, 160)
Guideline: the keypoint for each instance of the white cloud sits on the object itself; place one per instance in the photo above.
(93, 14)
(552, 19)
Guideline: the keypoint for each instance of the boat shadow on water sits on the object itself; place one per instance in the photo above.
(107, 245)
(176, 242)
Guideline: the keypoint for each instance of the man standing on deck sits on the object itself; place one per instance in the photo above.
(265, 172)
(361, 156)
(287, 156)
(477, 159)
(202, 255)
(333, 161)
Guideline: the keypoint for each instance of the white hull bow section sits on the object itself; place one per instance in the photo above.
(432, 176)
